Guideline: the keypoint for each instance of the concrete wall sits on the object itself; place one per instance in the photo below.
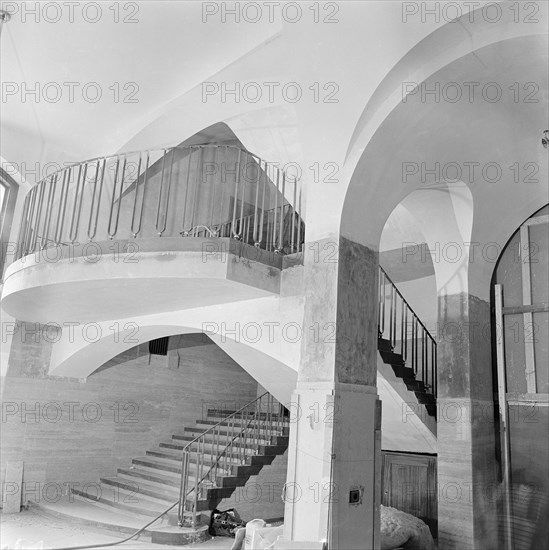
(69, 430)
(261, 496)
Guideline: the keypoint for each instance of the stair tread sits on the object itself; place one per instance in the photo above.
(121, 498)
(133, 494)
(144, 482)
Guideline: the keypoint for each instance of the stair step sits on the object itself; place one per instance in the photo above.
(392, 358)
(173, 467)
(139, 485)
(425, 398)
(176, 456)
(384, 345)
(176, 448)
(122, 500)
(414, 385)
(136, 491)
(403, 372)
(166, 467)
(132, 500)
(159, 482)
(226, 431)
(216, 416)
(151, 474)
(283, 429)
(209, 439)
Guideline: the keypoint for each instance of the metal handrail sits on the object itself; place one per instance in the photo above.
(256, 426)
(421, 352)
(165, 192)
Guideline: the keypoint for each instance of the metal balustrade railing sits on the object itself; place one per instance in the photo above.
(189, 191)
(398, 323)
(231, 442)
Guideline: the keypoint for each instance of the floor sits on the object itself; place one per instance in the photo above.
(30, 530)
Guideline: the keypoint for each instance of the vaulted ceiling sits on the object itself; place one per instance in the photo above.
(156, 52)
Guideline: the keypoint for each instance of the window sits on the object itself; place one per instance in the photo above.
(159, 346)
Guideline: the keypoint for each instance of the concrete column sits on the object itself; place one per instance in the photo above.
(467, 467)
(333, 491)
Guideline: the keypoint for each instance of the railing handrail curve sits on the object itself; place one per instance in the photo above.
(157, 150)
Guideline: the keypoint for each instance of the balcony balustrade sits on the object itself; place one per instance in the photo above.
(187, 191)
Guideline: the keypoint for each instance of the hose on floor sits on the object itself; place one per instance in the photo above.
(109, 544)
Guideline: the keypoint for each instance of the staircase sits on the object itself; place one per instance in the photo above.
(406, 345)
(206, 463)
(422, 392)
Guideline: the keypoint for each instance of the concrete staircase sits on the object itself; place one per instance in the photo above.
(151, 484)
(422, 392)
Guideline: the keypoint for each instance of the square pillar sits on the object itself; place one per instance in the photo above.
(333, 488)
(467, 466)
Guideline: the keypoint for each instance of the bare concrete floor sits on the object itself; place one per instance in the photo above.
(28, 530)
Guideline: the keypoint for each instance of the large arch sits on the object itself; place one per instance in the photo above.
(404, 143)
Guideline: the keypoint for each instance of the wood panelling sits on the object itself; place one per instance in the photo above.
(409, 483)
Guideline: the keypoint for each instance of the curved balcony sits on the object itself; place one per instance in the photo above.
(189, 202)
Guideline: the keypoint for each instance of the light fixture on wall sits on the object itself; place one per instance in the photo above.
(545, 139)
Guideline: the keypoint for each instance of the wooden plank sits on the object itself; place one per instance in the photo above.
(530, 364)
(541, 399)
(503, 413)
(538, 220)
(12, 487)
(514, 310)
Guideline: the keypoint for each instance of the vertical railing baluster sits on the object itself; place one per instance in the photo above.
(198, 186)
(49, 208)
(237, 178)
(28, 223)
(100, 194)
(77, 206)
(183, 231)
(135, 231)
(256, 203)
(36, 224)
(63, 199)
(299, 220)
(383, 302)
(423, 377)
(402, 307)
(262, 175)
(292, 231)
(281, 229)
(113, 195)
(406, 333)
(391, 293)
(416, 345)
(276, 246)
(435, 369)
(395, 316)
(22, 228)
(213, 189)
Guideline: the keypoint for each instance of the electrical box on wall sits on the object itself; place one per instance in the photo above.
(355, 495)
